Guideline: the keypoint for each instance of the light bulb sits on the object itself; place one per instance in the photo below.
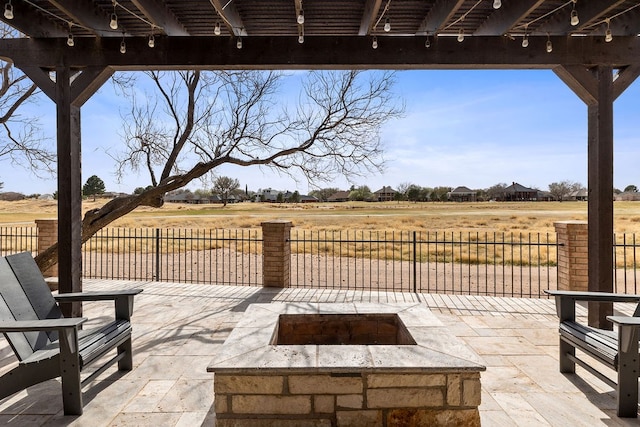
(123, 47)
(374, 43)
(525, 41)
(239, 43)
(461, 35)
(549, 46)
(70, 41)
(608, 36)
(216, 29)
(8, 10)
(497, 4)
(301, 17)
(387, 25)
(152, 41)
(114, 21)
(574, 18)
(300, 39)
(427, 42)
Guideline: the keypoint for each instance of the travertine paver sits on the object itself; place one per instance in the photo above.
(179, 327)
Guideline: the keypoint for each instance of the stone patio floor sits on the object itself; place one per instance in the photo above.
(179, 327)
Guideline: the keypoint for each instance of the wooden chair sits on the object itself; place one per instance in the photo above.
(48, 345)
(617, 350)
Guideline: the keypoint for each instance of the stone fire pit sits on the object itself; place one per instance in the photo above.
(306, 364)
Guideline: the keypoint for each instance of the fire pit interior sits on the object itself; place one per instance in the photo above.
(342, 329)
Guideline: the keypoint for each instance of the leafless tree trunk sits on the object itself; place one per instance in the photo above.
(200, 120)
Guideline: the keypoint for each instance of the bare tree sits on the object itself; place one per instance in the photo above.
(563, 189)
(22, 141)
(224, 186)
(199, 121)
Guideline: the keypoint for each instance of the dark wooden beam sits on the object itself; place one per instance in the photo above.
(87, 82)
(625, 77)
(369, 15)
(84, 13)
(600, 209)
(69, 192)
(27, 22)
(589, 13)
(160, 16)
(580, 80)
(230, 16)
(503, 19)
(323, 53)
(441, 13)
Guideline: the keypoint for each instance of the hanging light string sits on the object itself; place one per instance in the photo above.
(609, 18)
(464, 15)
(539, 18)
(384, 12)
(71, 23)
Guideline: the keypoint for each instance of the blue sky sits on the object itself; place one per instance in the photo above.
(474, 128)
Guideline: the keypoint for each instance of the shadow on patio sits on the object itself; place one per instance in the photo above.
(179, 327)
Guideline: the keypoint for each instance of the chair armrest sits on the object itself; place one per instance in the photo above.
(96, 296)
(123, 300)
(594, 296)
(624, 320)
(41, 325)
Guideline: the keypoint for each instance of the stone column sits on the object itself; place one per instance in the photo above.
(47, 236)
(573, 255)
(276, 254)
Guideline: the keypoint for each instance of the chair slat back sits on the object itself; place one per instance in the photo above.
(26, 296)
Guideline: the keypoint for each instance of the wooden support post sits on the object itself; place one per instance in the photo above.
(69, 192)
(600, 210)
(598, 88)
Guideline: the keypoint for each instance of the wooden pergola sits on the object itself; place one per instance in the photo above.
(72, 47)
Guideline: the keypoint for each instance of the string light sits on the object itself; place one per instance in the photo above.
(387, 25)
(525, 40)
(70, 41)
(123, 46)
(113, 23)
(8, 10)
(300, 18)
(461, 35)
(216, 29)
(374, 43)
(239, 43)
(152, 41)
(301, 35)
(497, 4)
(549, 44)
(427, 42)
(608, 36)
(574, 14)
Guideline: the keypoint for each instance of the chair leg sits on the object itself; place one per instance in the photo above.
(70, 373)
(567, 365)
(627, 372)
(126, 363)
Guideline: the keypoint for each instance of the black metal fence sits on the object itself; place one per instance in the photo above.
(18, 239)
(229, 257)
(500, 264)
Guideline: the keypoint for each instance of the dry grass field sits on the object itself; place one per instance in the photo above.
(527, 217)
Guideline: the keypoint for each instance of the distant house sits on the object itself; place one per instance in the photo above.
(304, 198)
(579, 195)
(462, 194)
(519, 193)
(189, 197)
(545, 196)
(628, 196)
(385, 194)
(340, 196)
